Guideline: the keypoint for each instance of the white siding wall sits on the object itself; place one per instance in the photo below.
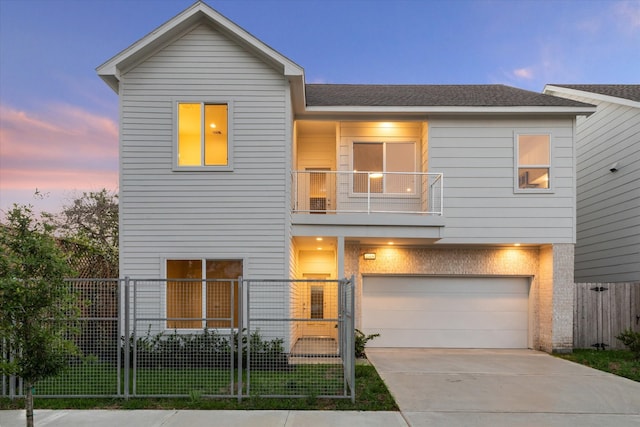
(476, 157)
(608, 246)
(238, 214)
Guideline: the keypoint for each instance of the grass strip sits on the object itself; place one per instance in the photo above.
(618, 362)
(371, 395)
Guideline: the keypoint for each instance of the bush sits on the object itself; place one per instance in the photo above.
(208, 348)
(632, 340)
(361, 341)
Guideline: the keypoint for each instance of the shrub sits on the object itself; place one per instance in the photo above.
(361, 341)
(632, 340)
(208, 348)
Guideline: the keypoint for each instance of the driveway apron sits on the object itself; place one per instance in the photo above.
(453, 387)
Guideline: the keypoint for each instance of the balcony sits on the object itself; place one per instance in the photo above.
(320, 192)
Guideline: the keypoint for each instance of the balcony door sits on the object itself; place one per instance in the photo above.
(321, 185)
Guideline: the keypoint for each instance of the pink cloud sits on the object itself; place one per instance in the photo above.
(523, 73)
(61, 148)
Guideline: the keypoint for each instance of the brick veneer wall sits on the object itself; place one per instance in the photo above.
(549, 331)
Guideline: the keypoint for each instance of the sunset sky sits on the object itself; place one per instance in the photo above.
(59, 121)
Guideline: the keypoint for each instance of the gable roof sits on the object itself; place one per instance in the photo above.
(630, 92)
(199, 12)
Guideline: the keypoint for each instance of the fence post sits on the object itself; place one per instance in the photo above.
(352, 333)
(238, 341)
(126, 344)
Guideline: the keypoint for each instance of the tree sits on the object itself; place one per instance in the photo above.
(38, 309)
(92, 221)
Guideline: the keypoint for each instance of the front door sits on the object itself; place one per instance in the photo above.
(321, 303)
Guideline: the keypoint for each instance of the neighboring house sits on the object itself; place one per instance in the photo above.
(452, 206)
(608, 182)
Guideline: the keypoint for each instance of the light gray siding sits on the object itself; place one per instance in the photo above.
(608, 246)
(166, 213)
(481, 204)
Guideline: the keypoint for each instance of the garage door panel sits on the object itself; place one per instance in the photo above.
(448, 339)
(500, 302)
(472, 320)
(443, 285)
(438, 312)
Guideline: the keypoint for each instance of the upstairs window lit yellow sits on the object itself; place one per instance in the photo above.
(203, 134)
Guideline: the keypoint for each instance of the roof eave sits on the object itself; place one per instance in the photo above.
(556, 90)
(507, 110)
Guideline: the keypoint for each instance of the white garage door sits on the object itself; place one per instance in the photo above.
(448, 312)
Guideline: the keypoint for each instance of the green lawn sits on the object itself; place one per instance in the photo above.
(371, 394)
(94, 378)
(618, 362)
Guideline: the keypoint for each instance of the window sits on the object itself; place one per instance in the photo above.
(385, 160)
(534, 161)
(203, 134)
(317, 302)
(210, 303)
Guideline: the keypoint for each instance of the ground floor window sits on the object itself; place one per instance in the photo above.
(198, 296)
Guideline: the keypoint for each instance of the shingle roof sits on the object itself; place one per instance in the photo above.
(325, 95)
(631, 92)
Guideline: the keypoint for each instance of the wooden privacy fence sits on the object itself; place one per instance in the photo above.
(602, 311)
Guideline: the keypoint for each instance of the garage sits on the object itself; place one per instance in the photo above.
(446, 312)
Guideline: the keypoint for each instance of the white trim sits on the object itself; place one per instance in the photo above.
(230, 135)
(450, 109)
(516, 167)
(556, 90)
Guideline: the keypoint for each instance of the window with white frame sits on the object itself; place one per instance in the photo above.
(198, 295)
(384, 167)
(203, 135)
(533, 161)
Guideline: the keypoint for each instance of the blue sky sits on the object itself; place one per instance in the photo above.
(58, 120)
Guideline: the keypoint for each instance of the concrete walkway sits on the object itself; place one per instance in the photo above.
(190, 418)
(436, 387)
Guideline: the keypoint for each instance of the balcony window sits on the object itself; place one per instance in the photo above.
(373, 160)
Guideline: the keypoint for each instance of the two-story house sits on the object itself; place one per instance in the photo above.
(608, 182)
(452, 206)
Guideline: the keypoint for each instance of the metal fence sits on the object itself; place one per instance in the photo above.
(214, 338)
(300, 338)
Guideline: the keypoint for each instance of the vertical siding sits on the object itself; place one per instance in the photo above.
(238, 214)
(476, 157)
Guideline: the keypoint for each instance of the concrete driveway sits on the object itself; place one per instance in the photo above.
(438, 387)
